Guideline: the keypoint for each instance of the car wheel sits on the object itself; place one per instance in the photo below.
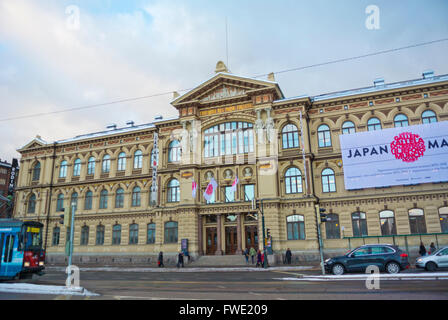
(431, 267)
(338, 269)
(393, 267)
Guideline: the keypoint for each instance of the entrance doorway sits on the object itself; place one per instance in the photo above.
(212, 241)
(231, 240)
(251, 236)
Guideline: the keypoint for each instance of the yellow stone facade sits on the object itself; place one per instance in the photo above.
(227, 98)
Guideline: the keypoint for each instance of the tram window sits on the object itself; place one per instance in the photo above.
(9, 247)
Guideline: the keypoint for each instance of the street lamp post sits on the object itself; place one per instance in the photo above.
(71, 242)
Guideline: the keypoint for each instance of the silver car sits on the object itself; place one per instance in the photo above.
(439, 259)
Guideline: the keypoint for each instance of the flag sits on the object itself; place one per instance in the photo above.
(194, 187)
(210, 189)
(234, 184)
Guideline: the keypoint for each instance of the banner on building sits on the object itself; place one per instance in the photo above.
(396, 156)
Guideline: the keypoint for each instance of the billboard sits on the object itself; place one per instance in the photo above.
(396, 156)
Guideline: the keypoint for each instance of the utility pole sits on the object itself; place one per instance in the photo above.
(256, 206)
(70, 251)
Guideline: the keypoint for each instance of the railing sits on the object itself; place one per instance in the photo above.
(397, 237)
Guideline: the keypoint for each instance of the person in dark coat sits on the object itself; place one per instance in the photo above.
(160, 260)
(180, 261)
(422, 250)
(432, 248)
(246, 255)
(288, 256)
(259, 261)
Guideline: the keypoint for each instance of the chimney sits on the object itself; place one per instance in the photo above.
(112, 126)
(428, 74)
(175, 94)
(271, 77)
(378, 82)
(158, 118)
(130, 123)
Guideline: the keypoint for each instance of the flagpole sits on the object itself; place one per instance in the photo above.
(303, 153)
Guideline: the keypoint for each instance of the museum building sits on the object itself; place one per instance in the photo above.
(132, 186)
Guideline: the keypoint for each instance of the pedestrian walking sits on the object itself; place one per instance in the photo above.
(422, 250)
(258, 259)
(253, 253)
(246, 255)
(288, 256)
(186, 254)
(432, 248)
(160, 260)
(180, 260)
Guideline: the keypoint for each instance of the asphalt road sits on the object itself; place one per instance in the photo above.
(235, 285)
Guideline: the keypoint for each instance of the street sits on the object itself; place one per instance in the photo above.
(237, 285)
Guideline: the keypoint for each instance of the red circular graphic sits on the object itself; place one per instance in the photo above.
(408, 147)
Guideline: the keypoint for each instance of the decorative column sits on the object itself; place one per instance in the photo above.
(238, 231)
(219, 231)
(200, 251)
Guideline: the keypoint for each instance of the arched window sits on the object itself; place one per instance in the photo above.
(60, 203)
(151, 233)
(138, 159)
(74, 200)
(443, 216)
(63, 169)
(373, 124)
(400, 120)
(293, 181)
(174, 151)
(295, 226)
(332, 226)
(36, 172)
(328, 180)
(91, 166)
(104, 195)
(417, 221)
(387, 222)
(56, 236)
(121, 162)
(173, 191)
(88, 200)
(119, 198)
(77, 168)
(348, 127)
(228, 138)
(84, 235)
(171, 232)
(429, 116)
(324, 136)
(32, 204)
(106, 164)
(136, 197)
(359, 224)
(99, 235)
(290, 136)
(133, 233)
(116, 234)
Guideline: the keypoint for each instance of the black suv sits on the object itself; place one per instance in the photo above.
(386, 257)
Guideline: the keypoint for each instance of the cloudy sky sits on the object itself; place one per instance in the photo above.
(56, 55)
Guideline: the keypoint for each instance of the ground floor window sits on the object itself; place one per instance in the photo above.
(116, 234)
(100, 235)
(417, 221)
(332, 226)
(171, 232)
(84, 235)
(295, 226)
(387, 221)
(359, 224)
(443, 216)
(133, 234)
(151, 237)
(56, 235)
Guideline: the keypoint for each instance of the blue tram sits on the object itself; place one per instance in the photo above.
(21, 252)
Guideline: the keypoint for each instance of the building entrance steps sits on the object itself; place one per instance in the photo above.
(220, 261)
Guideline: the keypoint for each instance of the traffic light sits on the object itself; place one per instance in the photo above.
(268, 233)
(323, 216)
(61, 221)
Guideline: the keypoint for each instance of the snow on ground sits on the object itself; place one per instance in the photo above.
(187, 269)
(347, 277)
(43, 289)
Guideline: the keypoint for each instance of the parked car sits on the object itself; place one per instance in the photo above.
(438, 259)
(386, 257)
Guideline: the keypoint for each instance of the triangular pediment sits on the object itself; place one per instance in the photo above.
(225, 86)
(35, 143)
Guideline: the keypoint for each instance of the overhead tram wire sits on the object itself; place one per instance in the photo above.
(353, 58)
(254, 77)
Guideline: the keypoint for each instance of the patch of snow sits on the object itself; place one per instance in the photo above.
(44, 289)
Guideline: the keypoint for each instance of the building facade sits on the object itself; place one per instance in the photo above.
(134, 200)
(8, 175)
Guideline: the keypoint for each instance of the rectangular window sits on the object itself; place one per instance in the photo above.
(249, 192)
(229, 194)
